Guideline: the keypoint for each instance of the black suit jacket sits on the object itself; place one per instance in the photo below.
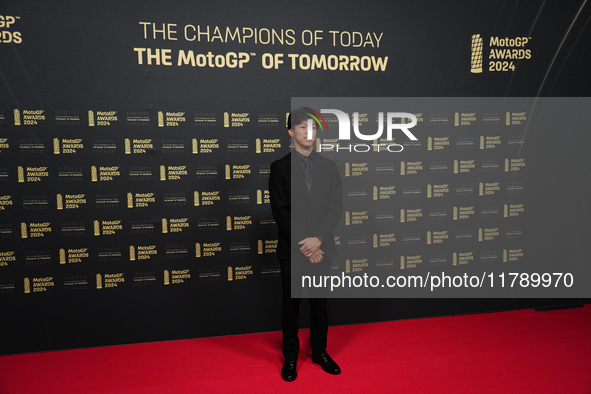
(300, 214)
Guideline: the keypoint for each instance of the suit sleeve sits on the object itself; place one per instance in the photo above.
(280, 205)
(335, 206)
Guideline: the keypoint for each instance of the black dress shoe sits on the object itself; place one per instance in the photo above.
(288, 372)
(327, 363)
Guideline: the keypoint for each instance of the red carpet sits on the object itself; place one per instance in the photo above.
(508, 352)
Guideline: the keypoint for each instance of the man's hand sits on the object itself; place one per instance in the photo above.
(310, 246)
(316, 257)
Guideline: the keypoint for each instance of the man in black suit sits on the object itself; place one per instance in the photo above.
(306, 200)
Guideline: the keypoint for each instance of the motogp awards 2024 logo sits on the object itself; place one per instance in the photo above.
(7, 34)
(505, 53)
(345, 130)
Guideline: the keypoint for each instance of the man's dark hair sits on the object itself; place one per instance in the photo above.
(297, 116)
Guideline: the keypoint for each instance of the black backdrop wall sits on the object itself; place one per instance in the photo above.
(136, 139)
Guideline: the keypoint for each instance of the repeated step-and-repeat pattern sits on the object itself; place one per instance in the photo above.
(136, 140)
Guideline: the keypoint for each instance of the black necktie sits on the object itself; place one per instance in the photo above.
(307, 172)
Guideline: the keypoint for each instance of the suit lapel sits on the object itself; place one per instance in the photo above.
(317, 176)
(298, 175)
(315, 180)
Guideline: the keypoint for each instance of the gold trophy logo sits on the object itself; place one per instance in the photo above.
(164, 226)
(228, 223)
(195, 146)
(260, 247)
(62, 256)
(166, 277)
(347, 169)
(197, 250)
(228, 171)
(402, 216)
(60, 202)
(455, 259)
(21, 174)
(162, 173)
(401, 262)
(375, 240)
(230, 275)
(258, 145)
(127, 146)
(90, 118)
(131, 253)
(129, 200)
(347, 266)
(97, 228)
(27, 286)
(24, 230)
(476, 58)
(93, 174)
(402, 168)
(226, 119)
(259, 197)
(196, 199)
(375, 192)
(160, 119)
(17, 117)
(56, 146)
(347, 218)
(99, 281)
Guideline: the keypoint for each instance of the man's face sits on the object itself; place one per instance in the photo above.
(299, 133)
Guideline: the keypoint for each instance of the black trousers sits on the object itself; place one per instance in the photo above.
(290, 311)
